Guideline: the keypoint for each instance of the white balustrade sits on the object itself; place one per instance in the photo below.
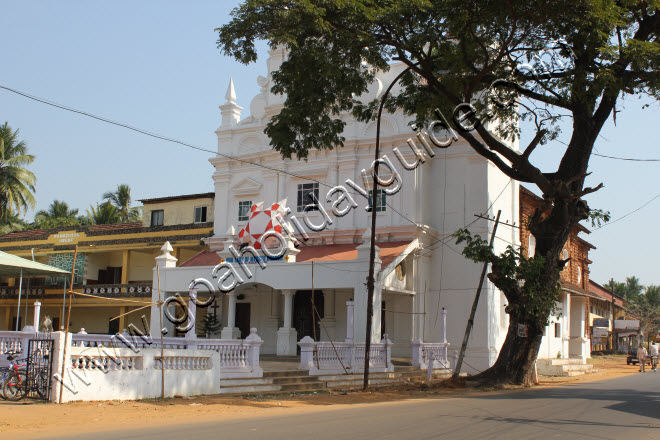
(183, 363)
(343, 357)
(422, 352)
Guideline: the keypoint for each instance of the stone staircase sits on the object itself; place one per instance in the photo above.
(563, 367)
(299, 381)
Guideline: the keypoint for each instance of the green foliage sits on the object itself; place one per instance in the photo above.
(518, 277)
(598, 217)
(16, 182)
(209, 325)
(11, 223)
(57, 210)
(455, 50)
(104, 214)
(121, 199)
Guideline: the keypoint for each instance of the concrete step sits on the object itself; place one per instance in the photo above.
(249, 389)
(292, 379)
(246, 382)
(309, 386)
(287, 373)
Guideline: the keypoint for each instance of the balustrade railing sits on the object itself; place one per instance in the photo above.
(12, 342)
(238, 357)
(120, 290)
(183, 363)
(423, 352)
(344, 357)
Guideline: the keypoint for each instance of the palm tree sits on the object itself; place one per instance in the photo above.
(11, 223)
(652, 296)
(104, 214)
(57, 210)
(121, 199)
(16, 183)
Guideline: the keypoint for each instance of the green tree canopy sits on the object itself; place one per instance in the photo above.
(121, 199)
(16, 182)
(489, 55)
(104, 214)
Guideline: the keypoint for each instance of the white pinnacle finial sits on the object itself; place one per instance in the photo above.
(167, 248)
(367, 235)
(230, 96)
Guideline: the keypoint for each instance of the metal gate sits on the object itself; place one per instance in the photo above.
(39, 368)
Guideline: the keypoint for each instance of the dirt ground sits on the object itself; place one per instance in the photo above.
(33, 420)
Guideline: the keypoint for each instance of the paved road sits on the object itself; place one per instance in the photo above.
(622, 408)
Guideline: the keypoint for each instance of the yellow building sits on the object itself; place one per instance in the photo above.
(113, 261)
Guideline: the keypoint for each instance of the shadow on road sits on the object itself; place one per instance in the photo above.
(631, 401)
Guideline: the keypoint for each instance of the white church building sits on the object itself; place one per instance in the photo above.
(419, 272)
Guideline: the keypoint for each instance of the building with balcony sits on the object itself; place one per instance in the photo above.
(114, 261)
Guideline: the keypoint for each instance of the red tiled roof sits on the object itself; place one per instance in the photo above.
(33, 233)
(204, 258)
(329, 252)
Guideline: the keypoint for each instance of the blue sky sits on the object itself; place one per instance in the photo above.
(155, 65)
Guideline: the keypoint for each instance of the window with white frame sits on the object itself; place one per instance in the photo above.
(308, 196)
(244, 210)
(381, 201)
(200, 214)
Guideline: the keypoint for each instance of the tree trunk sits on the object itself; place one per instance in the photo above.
(515, 363)
(528, 314)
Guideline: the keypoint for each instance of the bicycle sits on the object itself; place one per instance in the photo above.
(13, 380)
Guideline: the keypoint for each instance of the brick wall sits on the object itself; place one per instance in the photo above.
(577, 269)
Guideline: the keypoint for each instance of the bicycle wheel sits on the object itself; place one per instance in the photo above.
(4, 374)
(15, 386)
(41, 384)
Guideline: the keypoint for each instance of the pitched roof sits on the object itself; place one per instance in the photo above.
(329, 252)
(603, 293)
(181, 197)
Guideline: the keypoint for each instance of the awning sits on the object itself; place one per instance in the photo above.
(12, 265)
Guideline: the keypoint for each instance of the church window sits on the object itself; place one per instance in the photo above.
(308, 195)
(381, 203)
(244, 210)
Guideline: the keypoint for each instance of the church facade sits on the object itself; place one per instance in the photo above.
(419, 269)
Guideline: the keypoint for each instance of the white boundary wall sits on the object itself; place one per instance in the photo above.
(101, 373)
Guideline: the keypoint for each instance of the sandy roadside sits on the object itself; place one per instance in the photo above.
(34, 420)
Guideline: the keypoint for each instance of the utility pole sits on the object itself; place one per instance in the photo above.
(475, 303)
(611, 342)
(68, 318)
(371, 280)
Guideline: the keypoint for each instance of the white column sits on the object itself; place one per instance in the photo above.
(443, 326)
(287, 335)
(329, 327)
(164, 262)
(192, 319)
(350, 307)
(288, 307)
(271, 323)
(37, 315)
(230, 331)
